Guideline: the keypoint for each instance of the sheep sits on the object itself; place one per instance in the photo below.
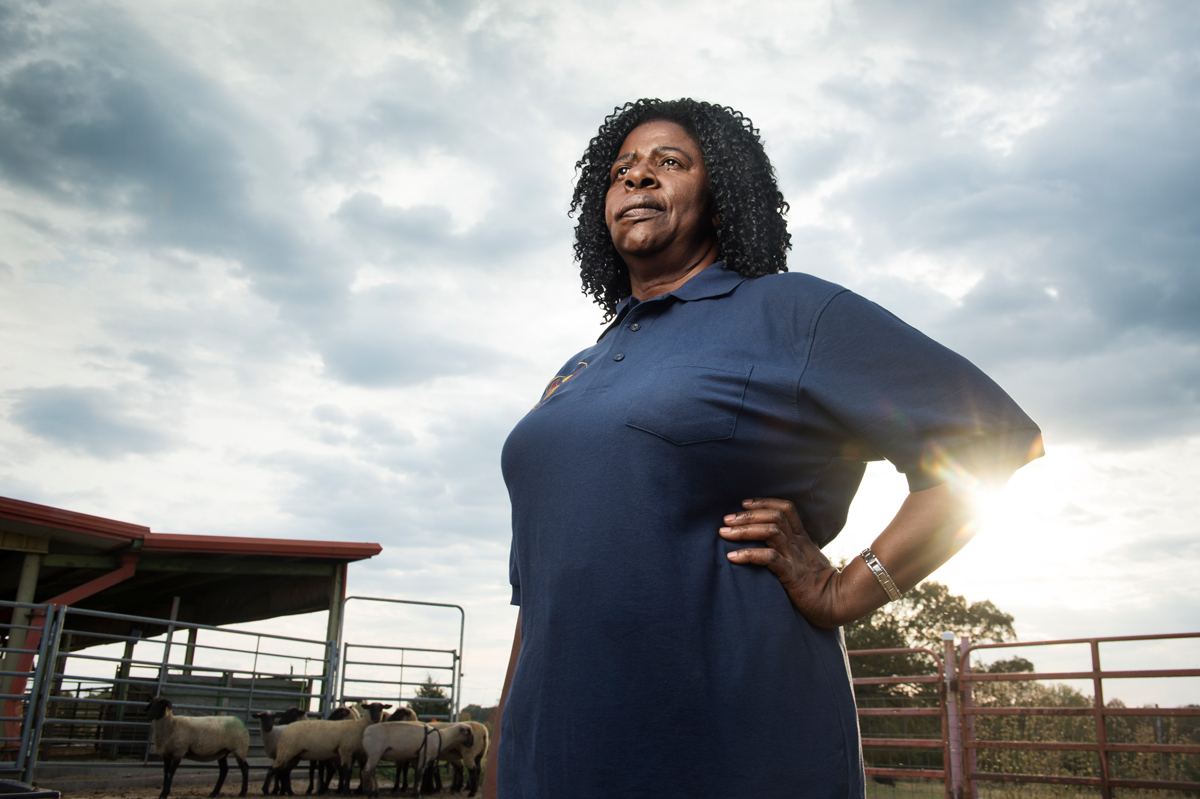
(201, 738)
(323, 771)
(271, 733)
(404, 740)
(469, 756)
(323, 740)
(459, 756)
(401, 714)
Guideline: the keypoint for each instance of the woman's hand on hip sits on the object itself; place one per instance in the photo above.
(810, 580)
(930, 526)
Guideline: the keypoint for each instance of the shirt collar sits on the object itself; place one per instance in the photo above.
(714, 281)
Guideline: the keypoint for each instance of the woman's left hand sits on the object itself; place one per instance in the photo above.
(930, 526)
(810, 580)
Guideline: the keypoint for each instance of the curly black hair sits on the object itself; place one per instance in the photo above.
(752, 236)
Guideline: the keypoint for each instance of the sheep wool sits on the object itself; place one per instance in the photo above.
(400, 741)
(323, 740)
(203, 738)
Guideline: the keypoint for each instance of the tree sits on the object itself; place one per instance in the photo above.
(921, 616)
(918, 619)
(430, 691)
(478, 712)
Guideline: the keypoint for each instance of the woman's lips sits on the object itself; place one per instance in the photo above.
(639, 206)
(640, 212)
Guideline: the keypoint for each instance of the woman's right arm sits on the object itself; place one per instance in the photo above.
(489, 777)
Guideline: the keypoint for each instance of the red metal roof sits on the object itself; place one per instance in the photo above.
(33, 513)
(284, 547)
(51, 519)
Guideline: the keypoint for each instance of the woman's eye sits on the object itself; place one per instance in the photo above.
(670, 162)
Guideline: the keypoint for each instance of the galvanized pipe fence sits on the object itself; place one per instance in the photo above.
(1104, 753)
(73, 692)
(380, 673)
(74, 683)
(900, 716)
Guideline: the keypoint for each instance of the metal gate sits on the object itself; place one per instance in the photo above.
(1103, 752)
(393, 674)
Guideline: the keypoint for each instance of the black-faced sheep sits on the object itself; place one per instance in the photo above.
(271, 726)
(469, 757)
(202, 738)
(459, 756)
(323, 740)
(399, 741)
(324, 771)
(401, 714)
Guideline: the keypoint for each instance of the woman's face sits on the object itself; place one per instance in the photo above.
(658, 193)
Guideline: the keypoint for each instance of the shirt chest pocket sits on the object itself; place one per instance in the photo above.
(687, 404)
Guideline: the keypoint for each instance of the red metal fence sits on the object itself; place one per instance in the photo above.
(940, 721)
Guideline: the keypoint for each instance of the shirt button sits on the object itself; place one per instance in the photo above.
(635, 326)
(618, 357)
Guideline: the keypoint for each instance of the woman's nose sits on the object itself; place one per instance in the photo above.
(640, 176)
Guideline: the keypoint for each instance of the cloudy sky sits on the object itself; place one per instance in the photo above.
(296, 268)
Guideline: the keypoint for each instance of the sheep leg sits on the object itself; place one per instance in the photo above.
(473, 781)
(224, 764)
(362, 762)
(283, 780)
(401, 769)
(343, 788)
(419, 766)
(456, 785)
(267, 781)
(367, 776)
(312, 771)
(326, 777)
(245, 767)
(169, 766)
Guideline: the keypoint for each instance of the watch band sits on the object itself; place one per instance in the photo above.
(881, 574)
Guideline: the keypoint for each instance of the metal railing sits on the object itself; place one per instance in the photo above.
(903, 716)
(22, 681)
(360, 679)
(84, 706)
(1096, 738)
(76, 696)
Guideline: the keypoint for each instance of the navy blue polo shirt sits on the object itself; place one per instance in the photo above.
(649, 663)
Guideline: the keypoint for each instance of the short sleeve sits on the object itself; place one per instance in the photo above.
(928, 410)
(514, 573)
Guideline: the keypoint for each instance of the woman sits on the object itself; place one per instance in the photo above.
(678, 627)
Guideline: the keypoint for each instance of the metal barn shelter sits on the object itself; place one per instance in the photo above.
(76, 589)
(52, 556)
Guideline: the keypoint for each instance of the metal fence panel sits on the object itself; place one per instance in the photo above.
(1084, 748)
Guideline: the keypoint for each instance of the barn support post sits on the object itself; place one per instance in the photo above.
(953, 717)
(121, 689)
(333, 635)
(166, 657)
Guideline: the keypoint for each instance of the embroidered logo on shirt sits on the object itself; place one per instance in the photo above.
(553, 385)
